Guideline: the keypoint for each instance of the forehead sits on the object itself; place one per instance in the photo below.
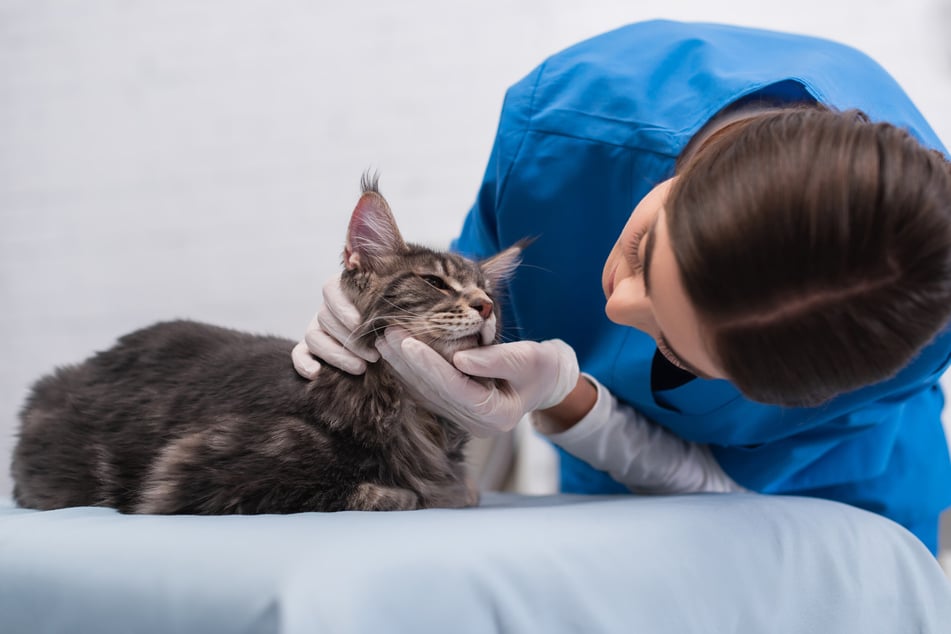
(422, 260)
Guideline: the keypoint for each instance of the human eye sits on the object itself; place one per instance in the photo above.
(634, 251)
(665, 350)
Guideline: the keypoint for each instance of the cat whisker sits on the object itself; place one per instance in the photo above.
(400, 308)
(368, 325)
(535, 266)
(415, 328)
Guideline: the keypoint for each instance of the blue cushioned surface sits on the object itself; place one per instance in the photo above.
(703, 563)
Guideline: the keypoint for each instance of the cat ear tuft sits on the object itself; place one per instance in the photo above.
(501, 266)
(372, 234)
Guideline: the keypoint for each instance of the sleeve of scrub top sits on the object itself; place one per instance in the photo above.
(637, 452)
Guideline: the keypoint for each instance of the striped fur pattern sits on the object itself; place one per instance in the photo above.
(184, 417)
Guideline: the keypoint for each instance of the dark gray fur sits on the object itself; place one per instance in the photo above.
(183, 417)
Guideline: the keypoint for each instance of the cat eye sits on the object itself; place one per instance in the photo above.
(436, 282)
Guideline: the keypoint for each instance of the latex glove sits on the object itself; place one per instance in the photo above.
(330, 337)
(637, 452)
(538, 375)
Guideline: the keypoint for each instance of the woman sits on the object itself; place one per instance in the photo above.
(786, 271)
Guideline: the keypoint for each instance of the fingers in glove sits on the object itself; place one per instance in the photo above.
(483, 409)
(542, 373)
(415, 361)
(339, 318)
(337, 302)
(332, 352)
(305, 364)
(502, 361)
(330, 327)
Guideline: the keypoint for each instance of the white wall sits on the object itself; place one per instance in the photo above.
(170, 159)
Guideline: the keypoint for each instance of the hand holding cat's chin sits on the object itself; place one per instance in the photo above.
(534, 375)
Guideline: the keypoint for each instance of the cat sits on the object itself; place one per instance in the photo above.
(185, 417)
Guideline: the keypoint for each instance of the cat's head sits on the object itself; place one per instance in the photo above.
(442, 299)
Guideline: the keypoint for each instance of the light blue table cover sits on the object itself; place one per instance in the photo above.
(700, 563)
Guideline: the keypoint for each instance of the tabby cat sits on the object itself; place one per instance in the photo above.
(184, 417)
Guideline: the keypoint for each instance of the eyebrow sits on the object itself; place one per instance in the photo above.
(646, 266)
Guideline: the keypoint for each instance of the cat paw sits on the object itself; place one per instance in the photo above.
(472, 492)
(376, 497)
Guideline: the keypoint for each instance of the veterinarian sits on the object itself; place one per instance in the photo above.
(776, 302)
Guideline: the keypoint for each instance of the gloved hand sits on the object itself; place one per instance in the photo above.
(330, 337)
(538, 374)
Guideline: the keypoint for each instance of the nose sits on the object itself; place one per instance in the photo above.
(630, 306)
(482, 306)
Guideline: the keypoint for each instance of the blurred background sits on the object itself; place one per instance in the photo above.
(200, 160)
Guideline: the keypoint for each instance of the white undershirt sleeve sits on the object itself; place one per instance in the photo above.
(637, 452)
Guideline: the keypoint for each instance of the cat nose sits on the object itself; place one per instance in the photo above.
(483, 307)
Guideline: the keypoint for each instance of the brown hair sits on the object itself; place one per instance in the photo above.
(816, 249)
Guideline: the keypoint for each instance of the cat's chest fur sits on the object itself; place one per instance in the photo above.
(418, 449)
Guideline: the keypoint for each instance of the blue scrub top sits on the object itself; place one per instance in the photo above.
(581, 140)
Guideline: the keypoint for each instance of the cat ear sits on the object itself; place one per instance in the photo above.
(372, 233)
(500, 267)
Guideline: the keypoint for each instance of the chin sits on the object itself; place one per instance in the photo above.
(449, 347)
